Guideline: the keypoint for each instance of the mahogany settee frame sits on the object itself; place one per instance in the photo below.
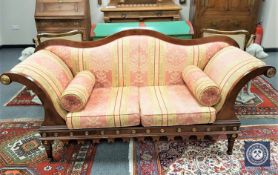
(54, 127)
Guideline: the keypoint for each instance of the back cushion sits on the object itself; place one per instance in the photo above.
(137, 60)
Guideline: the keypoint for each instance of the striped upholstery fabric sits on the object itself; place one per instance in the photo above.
(136, 60)
(227, 67)
(139, 78)
(77, 93)
(201, 86)
(172, 105)
(73, 57)
(108, 107)
(50, 72)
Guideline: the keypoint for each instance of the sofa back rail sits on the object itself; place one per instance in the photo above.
(90, 44)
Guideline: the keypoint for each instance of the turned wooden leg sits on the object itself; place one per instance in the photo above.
(48, 148)
(231, 141)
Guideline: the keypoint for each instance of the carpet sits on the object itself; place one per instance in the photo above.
(265, 105)
(23, 153)
(24, 97)
(203, 157)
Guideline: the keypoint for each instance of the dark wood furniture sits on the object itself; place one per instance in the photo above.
(224, 15)
(141, 10)
(59, 16)
(54, 127)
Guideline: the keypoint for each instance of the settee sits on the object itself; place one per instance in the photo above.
(139, 83)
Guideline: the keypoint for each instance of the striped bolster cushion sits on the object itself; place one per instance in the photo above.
(77, 93)
(201, 86)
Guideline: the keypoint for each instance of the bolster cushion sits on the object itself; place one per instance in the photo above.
(201, 86)
(77, 93)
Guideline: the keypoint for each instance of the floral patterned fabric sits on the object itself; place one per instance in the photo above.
(137, 60)
(108, 107)
(202, 87)
(77, 93)
(50, 72)
(172, 105)
(227, 67)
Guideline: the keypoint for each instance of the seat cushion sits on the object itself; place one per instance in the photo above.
(172, 105)
(108, 107)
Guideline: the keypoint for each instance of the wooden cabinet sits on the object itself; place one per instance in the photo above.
(224, 15)
(58, 16)
(141, 10)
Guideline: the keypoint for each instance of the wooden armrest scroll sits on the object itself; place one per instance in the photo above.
(227, 112)
(51, 115)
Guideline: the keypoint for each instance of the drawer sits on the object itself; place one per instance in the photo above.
(226, 23)
(43, 24)
(85, 32)
(141, 14)
(60, 7)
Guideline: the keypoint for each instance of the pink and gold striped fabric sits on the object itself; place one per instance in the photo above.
(201, 86)
(227, 67)
(123, 66)
(172, 105)
(108, 107)
(50, 72)
(137, 60)
(77, 93)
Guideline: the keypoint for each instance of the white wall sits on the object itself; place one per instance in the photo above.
(18, 21)
(21, 13)
(96, 14)
(1, 22)
(270, 23)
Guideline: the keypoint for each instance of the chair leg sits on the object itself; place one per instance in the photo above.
(48, 147)
(231, 141)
